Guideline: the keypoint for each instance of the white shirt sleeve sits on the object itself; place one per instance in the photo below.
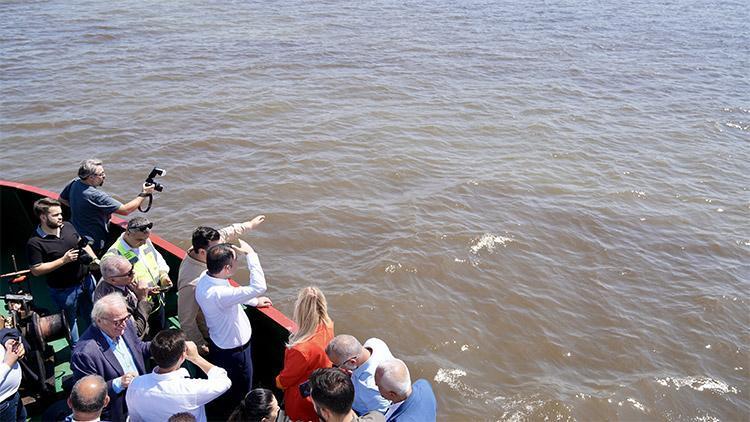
(217, 383)
(230, 296)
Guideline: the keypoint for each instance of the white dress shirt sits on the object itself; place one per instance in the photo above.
(10, 377)
(156, 397)
(221, 303)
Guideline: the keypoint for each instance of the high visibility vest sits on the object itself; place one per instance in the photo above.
(145, 264)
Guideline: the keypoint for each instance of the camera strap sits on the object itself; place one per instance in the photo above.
(150, 199)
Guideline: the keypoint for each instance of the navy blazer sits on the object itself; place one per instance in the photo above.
(92, 355)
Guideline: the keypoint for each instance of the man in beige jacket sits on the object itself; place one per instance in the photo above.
(191, 317)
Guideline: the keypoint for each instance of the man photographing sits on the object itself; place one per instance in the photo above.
(53, 251)
(91, 207)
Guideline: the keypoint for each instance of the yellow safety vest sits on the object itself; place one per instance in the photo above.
(145, 264)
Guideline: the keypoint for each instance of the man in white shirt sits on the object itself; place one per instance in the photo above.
(11, 406)
(229, 328)
(169, 388)
(191, 269)
(87, 399)
(348, 353)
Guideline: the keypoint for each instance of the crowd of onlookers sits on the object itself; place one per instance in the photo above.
(113, 299)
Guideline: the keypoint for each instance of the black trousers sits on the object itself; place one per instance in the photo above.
(238, 362)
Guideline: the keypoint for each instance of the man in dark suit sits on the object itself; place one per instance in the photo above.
(111, 348)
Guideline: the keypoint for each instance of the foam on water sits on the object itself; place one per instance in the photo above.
(489, 241)
(698, 384)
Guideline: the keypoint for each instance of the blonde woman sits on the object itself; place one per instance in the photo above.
(305, 352)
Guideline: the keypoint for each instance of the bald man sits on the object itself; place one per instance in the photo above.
(346, 352)
(410, 402)
(87, 399)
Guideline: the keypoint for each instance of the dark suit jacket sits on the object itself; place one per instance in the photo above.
(92, 355)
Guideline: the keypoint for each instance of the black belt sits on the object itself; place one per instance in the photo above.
(231, 349)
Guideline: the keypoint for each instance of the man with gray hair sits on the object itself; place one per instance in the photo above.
(87, 399)
(149, 267)
(410, 402)
(118, 275)
(91, 207)
(361, 361)
(111, 348)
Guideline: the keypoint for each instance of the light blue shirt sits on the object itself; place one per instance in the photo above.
(366, 395)
(124, 356)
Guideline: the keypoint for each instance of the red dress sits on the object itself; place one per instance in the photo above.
(299, 362)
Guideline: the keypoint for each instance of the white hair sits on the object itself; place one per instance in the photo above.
(105, 304)
(109, 265)
(394, 376)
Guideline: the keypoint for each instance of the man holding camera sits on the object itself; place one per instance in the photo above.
(91, 207)
(149, 267)
(55, 250)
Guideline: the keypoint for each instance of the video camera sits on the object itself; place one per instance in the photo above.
(150, 179)
(83, 257)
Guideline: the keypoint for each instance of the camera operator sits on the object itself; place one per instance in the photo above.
(55, 250)
(91, 207)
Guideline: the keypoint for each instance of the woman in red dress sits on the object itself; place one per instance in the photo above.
(305, 352)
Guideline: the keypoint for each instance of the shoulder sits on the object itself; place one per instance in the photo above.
(68, 230)
(376, 345)
(373, 416)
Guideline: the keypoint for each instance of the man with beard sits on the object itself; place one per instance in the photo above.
(91, 207)
(52, 251)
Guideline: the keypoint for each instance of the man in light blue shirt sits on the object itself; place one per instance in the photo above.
(361, 361)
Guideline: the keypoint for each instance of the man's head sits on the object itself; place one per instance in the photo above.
(204, 238)
(110, 314)
(168, 348)
(88, 398)
(138, 231)
(332, 393)
(344, 351)
(182, 417)
(221, 260)
(91, 172)
(393, 380)
(116, 270)
(49, 212)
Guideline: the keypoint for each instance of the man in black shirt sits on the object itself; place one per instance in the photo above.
(53, 251)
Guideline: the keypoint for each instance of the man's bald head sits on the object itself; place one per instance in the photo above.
(393, 380)
(343, 347)
(89, 395)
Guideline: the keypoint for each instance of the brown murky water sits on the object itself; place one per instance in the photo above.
(542, 208)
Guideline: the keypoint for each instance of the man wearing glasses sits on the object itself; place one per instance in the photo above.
(91, 207)
(118, 275)
(361, 361)
(111, 348)
(149, 266)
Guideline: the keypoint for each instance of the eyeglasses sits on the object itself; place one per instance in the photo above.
(98, 174)
(339, 365)
(130, 273)
(141, 228)
(120, 321)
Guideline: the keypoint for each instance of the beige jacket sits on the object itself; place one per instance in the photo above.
(191, 317)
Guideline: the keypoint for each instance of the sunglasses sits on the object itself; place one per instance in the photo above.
(141, 228)
(130, 273)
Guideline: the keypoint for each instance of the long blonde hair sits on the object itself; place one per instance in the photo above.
(310, 310)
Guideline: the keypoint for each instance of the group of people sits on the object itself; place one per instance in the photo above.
(324, 377)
